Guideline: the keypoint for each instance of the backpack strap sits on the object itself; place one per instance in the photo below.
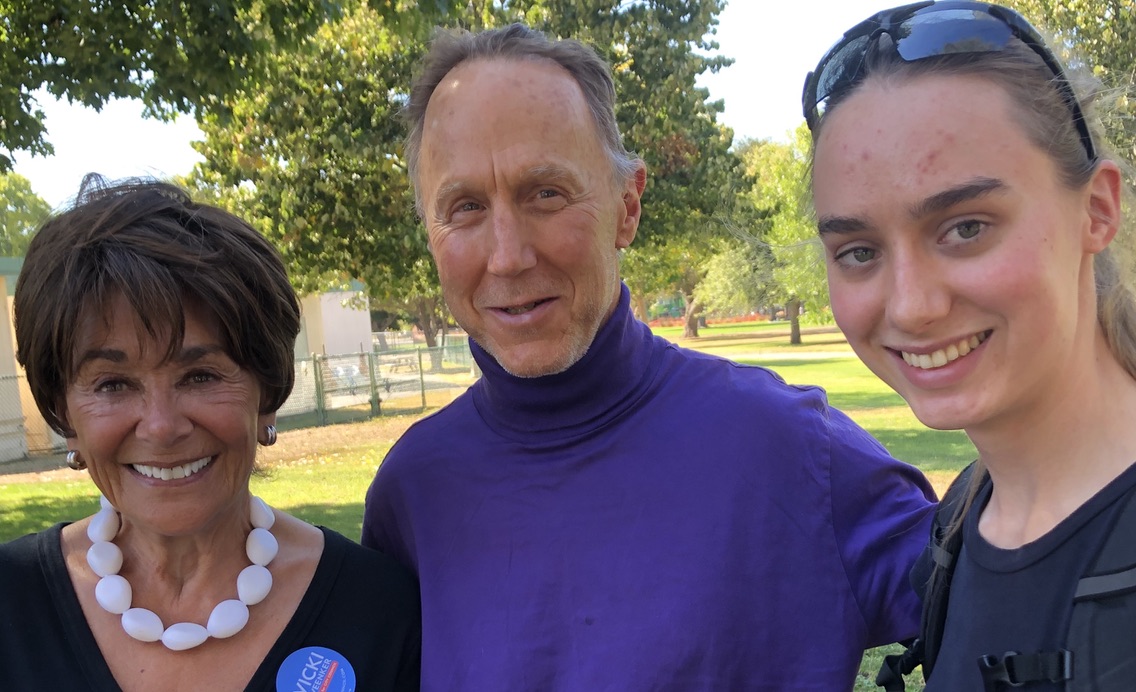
(933, 585)
(1102, 630)
(1013, 669)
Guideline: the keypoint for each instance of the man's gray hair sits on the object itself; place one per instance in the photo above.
(517, 42)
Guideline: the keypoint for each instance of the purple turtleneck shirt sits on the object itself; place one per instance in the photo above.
(650, 519)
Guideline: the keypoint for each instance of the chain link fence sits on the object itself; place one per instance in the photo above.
(356, 386)
(23, 431)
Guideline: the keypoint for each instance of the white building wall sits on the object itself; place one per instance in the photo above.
(346, 329)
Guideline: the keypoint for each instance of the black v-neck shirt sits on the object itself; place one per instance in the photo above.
(360, 604)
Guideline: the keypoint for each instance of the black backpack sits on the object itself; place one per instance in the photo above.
(1102, 630)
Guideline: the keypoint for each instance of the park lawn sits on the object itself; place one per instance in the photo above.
(674, 332)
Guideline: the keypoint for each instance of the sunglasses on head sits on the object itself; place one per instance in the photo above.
(926, 30)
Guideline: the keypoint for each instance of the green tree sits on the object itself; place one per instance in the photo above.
(739, 278)
(21, 213)
(313, 151)
(175, 55)
(782, 191)
(1102, 32)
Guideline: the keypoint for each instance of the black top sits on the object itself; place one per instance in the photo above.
(1019, 600)
(360, 604)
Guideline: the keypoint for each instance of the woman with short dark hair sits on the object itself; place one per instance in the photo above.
(157, 335)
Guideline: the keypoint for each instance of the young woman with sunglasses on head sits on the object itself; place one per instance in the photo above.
(974, 244)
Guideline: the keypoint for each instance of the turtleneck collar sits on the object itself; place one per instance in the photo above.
(615, 372)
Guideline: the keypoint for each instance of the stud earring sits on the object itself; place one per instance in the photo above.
(75, 461)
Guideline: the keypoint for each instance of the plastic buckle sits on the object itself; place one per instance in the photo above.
(998, 670)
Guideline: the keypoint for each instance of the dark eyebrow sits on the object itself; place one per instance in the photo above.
(941, 201)
(185, 356)
(840, 225)
(110, 354)
(195, 353)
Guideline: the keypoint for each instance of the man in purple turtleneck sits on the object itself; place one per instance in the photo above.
(603, 510)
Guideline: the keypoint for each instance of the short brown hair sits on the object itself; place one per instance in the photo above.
(149, 242)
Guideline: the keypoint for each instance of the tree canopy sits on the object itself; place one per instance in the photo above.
(177, 56)
(1103, 33)
(21, 213)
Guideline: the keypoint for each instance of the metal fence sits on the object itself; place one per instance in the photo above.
(22, 430)
(354, 386)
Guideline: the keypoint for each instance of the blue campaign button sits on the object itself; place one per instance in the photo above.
(315, 669)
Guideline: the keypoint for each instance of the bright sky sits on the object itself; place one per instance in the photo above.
(774, 44)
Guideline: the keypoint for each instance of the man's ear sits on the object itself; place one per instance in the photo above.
(1103, 206)
(632, 206)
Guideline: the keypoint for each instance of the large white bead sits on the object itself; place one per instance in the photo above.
(228, 618)
(184, 635)
(261, 514)
(144, 625)
(104, 558)
(104, 526)
(113, 593)
(105, 503)
(261, 546)
(253, 584)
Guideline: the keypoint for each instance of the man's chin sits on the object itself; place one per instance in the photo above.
(531, 363)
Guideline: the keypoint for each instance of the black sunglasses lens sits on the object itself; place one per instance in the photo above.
(842, 67)
(950, 31)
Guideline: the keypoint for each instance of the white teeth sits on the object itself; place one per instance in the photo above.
(927, 361)
(169, 474)
(520, 309)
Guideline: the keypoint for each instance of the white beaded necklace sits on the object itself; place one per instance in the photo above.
(114, 594)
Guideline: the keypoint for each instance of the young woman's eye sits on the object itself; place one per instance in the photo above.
(967, 230)
(856, 256)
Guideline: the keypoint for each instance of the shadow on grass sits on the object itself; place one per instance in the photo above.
(346, 519)
(787, 363)
(38, 512)
(849, 401)
(952, 449)
(774, 333)
(334, 417)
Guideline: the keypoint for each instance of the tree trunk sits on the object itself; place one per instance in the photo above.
(793, 312)
(426, 317)
(639, 306)
(690, 323)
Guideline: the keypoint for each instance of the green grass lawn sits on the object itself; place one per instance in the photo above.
(328, 487)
